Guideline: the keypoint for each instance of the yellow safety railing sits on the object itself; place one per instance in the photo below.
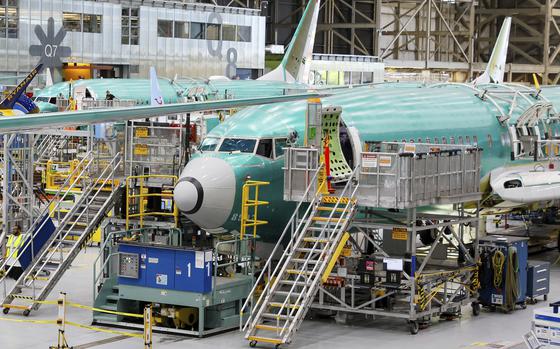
(54, 177)
(140, 199)
(61, 321)
(251, 204)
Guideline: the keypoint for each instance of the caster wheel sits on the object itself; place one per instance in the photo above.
(26, 312)
(277, 346)
(6, 310)
(253, 344)
(545, 297)
(524, 305)
(414, 327)
(475, 308)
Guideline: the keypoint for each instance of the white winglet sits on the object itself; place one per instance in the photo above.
(497, 64)
(295, 64)
(155, 91)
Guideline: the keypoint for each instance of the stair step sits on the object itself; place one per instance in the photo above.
(292, 282)
(279, 305)
(297, 272)
(307, 250)
(335, 199)
(265, 339)
(326, 208)
(276, 316)
(112, 307)
(268, 328)
(312, 239)
(332, 220)
(299, 260)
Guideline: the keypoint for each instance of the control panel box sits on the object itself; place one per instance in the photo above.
(170, 268)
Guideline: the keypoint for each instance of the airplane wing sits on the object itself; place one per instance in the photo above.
(85, 117)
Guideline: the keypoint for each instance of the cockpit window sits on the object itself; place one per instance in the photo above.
(265, 148)
(209, 144)
(238, 145)
(279, 145)
(42, 99)
(52, 100)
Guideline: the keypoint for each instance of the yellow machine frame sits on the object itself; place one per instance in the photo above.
(248, 203)
(142, 197)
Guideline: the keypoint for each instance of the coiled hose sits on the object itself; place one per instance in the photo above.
(498, 260)
(512, 279)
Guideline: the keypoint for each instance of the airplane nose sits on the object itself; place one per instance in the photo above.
(205, 192)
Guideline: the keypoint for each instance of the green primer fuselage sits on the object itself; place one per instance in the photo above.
(387, 112)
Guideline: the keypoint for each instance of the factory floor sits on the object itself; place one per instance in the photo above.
(489, 330)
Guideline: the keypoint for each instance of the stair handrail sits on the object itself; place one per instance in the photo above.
(295, 226)
(334, 230)
(37, 261)
(32, 231)
(85, 197)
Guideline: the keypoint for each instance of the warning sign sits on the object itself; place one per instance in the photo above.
(141, 132)
(399, 234)
(369, 160)
(385, 161)
(140, 149)
(409, 148)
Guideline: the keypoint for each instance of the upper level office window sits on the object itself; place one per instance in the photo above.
(198, 30)
(9, 19)
(181, 30)
(91, 23)
(165, 28)
(244, 33)
(213, 32)
(79, 22)
(130, 25)
(229, 32)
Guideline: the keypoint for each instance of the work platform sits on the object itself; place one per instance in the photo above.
(354, 247)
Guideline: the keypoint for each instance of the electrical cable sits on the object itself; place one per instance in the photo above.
(512, 279)
(498, 260)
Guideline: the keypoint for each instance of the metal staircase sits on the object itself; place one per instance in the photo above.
(282, 306)
(98, 192)
(49, 145)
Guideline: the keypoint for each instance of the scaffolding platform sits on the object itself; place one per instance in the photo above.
(353, 246)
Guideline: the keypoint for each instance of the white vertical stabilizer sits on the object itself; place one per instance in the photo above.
(295, 64)
(495, 69)
(155, 92)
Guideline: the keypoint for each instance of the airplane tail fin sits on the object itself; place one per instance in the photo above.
(497, 64)
(155, 91)
(295, 64)
(14, 96)
(536, 81)
(49, 78)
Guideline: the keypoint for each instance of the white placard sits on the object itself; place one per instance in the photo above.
(199, 259)
(153, 260)
(369, 160)
(393, 264)
(208, 256)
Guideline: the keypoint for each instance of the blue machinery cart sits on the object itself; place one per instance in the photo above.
(192, 291)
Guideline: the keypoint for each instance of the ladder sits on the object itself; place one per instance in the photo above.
(49, 145)
(74, 229)
(282, 306)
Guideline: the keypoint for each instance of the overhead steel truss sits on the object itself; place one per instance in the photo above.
(431, 34)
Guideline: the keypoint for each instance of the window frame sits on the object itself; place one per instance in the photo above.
(272, 150)
(9, 15)
(276, 156)
(223, 139)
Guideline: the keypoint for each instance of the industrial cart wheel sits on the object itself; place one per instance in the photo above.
(26, 312)
(6, 310)
(277, 346)
(414, 327)
(545, 297)
(524, 305)
(475, 308)
(253, 344)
